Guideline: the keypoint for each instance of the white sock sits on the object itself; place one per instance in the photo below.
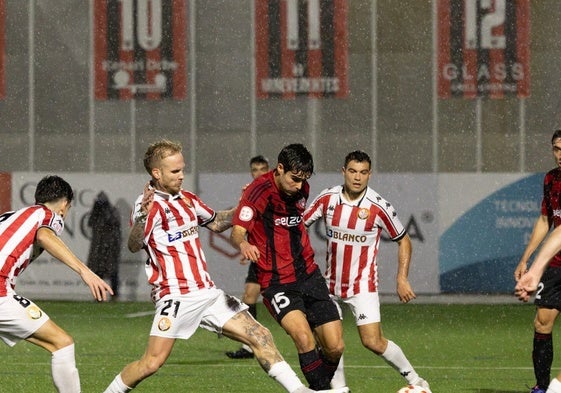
(283, 374)
(554, 386)
(338, 380)
(117, 386)
(63, 368)
(395, 357)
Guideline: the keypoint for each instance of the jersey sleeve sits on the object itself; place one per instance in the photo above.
(388, 219)
(315, 210)
(205, 214)
(53, 221)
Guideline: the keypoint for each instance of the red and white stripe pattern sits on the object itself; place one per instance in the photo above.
(17, 237)
(176, 263)
(353, 231)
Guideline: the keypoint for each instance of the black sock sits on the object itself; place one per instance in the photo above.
(542, 356)
(329, 366)
(253, 310)
(314, 371)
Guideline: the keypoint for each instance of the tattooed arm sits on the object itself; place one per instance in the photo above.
(222, 221)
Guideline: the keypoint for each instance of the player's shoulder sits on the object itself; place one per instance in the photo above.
(374, 197)
(259, 188)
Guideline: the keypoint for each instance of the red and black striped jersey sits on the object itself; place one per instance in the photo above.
(551, 204)
(275, 226)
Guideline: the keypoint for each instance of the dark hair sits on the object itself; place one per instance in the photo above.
(296, 158)
(556, 135)
(52, 188)
(258, 160)
(159, 150)
(359, 156)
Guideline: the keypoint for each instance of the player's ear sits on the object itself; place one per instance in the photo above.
(156, 174)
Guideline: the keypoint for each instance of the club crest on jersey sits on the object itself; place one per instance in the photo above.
(363, 214)
(301, 204)
(34, 312)
(246, 214)
(164, 324)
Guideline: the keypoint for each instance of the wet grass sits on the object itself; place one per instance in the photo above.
(457, 348)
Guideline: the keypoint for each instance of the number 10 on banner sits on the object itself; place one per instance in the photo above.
(148, 24)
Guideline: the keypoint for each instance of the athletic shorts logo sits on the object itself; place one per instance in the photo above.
(164, 324)
(34, 312)
(246, 213)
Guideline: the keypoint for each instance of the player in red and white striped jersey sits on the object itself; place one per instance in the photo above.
(24, 234)
(166, 222)
(355, 216)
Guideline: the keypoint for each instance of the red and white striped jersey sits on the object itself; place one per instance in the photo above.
(353, 231)
(176, 263)
(17, 237)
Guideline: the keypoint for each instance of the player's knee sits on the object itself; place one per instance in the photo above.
(374, 344)
(543, 325)
(334, 350)
(63, 341)
(260, 335)
(150, 365)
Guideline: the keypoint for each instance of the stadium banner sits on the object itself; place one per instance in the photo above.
(140, 49)
(465, 239)
(2, 50)
(484, 229)
(483, 48)
(301, 48)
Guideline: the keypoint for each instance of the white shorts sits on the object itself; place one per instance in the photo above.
(179, 316)
(364, 306)
(19, 318)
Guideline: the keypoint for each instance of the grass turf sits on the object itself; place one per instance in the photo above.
(457, 348)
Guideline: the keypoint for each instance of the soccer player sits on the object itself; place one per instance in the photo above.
(528, 283)
(548, 303)
(24, 234)
(258, 165)
(355, 216)
(166, 221)
(268, 230)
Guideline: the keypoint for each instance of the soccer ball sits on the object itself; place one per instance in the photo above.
(412, 389)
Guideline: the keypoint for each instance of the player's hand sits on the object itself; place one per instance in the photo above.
(249, 251)
(98, 287)
(147, 198)
(526, 286)
(404, 291)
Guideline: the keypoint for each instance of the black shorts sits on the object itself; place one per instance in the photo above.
(252, 274)
(310, 295)
(548, 294)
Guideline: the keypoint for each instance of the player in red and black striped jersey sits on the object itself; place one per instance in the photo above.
(548, 298)
(270, 215)
(24, 234)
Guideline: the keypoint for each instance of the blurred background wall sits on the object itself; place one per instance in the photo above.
(51, 120)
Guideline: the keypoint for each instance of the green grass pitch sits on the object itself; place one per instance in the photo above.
(457, 348)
